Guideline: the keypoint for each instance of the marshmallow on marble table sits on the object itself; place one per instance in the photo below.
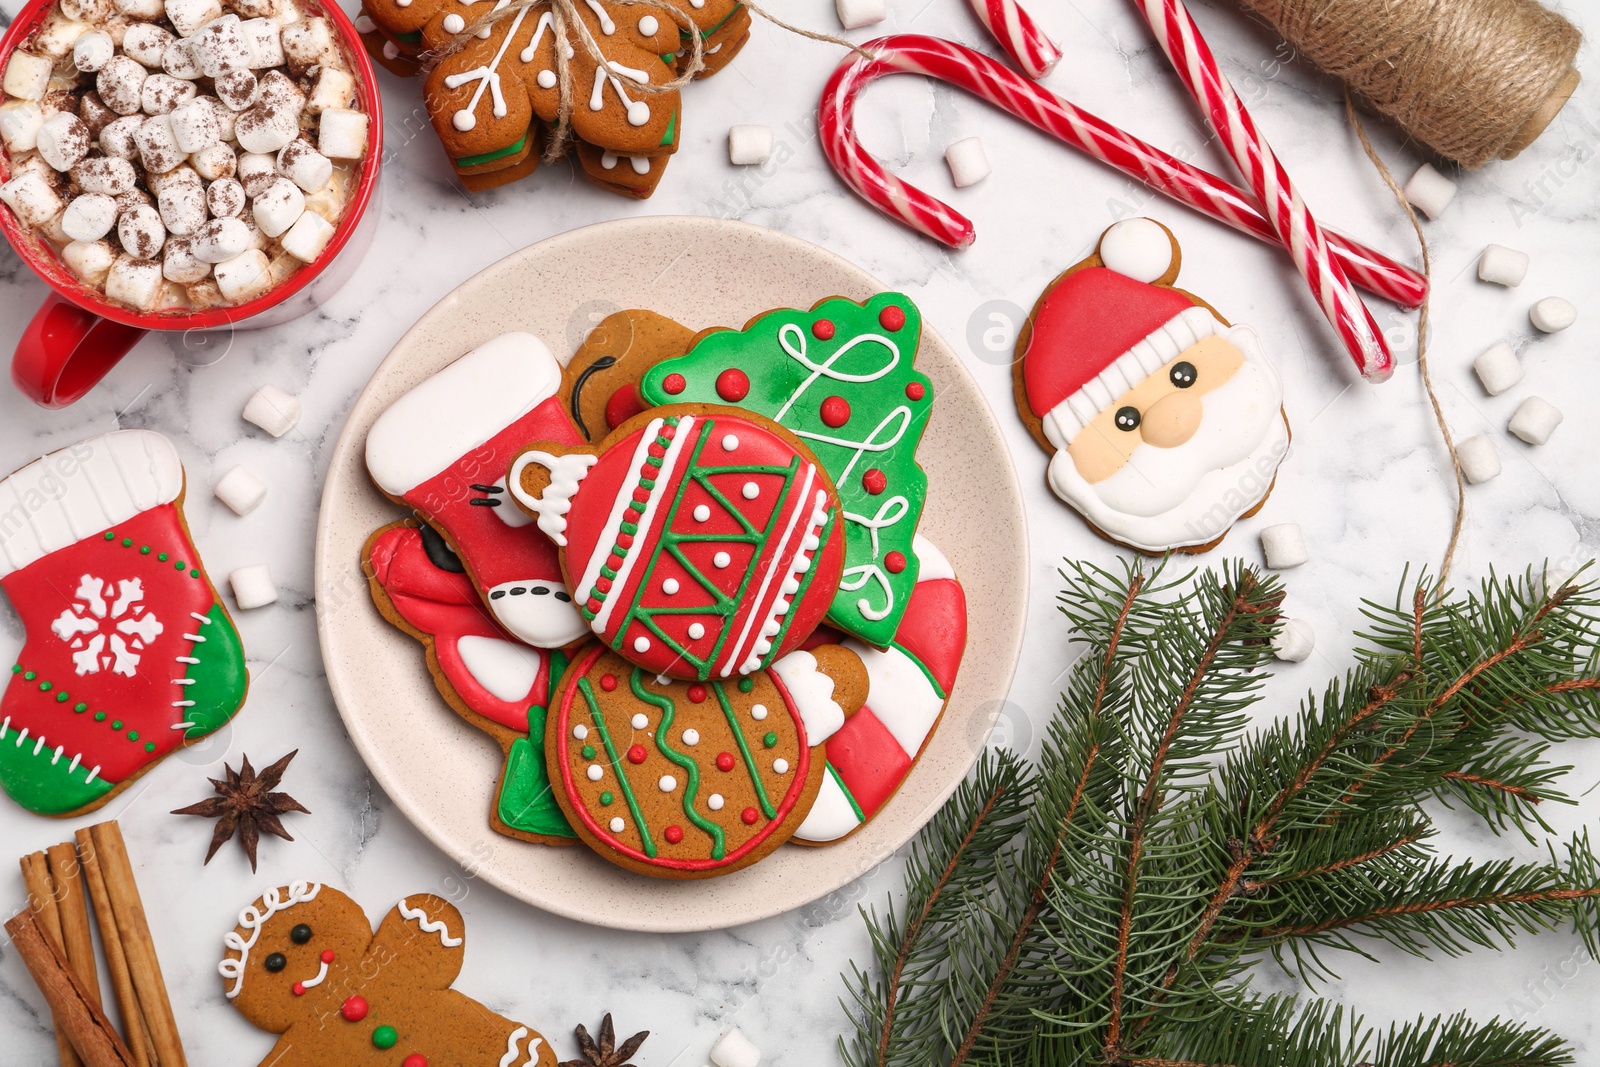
(216, 163)
(244, 277)
(1479, 460)
(749, 145)
(1498, 368)
(1284, 546)
(1502, 266)
(272, 409)
(968, 162)
(1550, 315)
(19, 125)
(242, 491)
(178, 60)
(304, 165)
(120, 138)
(854, 14)
(93, 50)
(1535, 420)
(253, 587)
(278, 207)
(733, 1049)
(263, 37)
(89, 261)
(182, 201)
(32, 197)
(158, 148)
(1294, 641)
(180, 264)
(120, 84)
(146, 43)
(1429, 191)
(334, 88)
(308, 238)
(62, 141)
(225, 198)
(342, 134)
(188, 16)
(89, 217)
(195, 126)
(27, 76)
(221, 240)
(135, 282)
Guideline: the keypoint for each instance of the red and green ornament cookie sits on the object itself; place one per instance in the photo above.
(839, 377)
(698, 542)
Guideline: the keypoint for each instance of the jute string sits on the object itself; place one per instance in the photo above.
(1467, 78)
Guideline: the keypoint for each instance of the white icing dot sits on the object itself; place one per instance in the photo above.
(781, 766)
(596, 772)
(547, 79)
(640, 721)
(729, 442)
(649, 26)
(722, 559)
(464, 121)
(758, 712)
(701, 513)
(454, 23)
(638, 113)
(714, 801)
(667, 783)
(669, 586)
(580, 731)
(751, 490)
(641, 644)
(696, 631)
(617, 825)
(691, 737)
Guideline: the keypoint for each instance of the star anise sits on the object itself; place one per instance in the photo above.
(246, 803)
(605, 1053)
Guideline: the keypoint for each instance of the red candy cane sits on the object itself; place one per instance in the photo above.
(1019, 35)
(1003, 87)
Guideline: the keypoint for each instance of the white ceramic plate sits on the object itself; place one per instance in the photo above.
(442, 773)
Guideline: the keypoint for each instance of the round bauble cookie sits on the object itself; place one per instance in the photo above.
(694, 779)
(699, 542)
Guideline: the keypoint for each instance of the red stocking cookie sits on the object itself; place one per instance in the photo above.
(129, 652)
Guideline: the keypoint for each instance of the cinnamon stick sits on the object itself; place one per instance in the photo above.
(90, 1032)
(137, 944)
(77, 938)
(116, 960)
(42, 899)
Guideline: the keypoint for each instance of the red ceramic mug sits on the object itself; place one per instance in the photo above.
(77, 335)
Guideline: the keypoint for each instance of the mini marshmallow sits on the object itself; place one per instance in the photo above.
(749, 145)
(263, 38)
(204, 294)
(278, 207)
(279, 93)
(342, 134)
(1550, 315)
(1294, 641)
(334, 88)
(135, 282)
(180, 264)
(62, 141)
(148, 10)
(252, 586)
(221, 47)
(194, 126)
(733, 1049)
(251, 9)
(221, 240)
(308, 237)
(854, 14)
(89, 261)
(242, 491)
(215, 163)
(94, 11)
(1535, 420)
(141, 231)
(282, 267)
(1284, 546)
(161, 94)
(120, 84)
(225, 117)
(1498, 368)
(179, 61)
(1429, 191)
(263, 130)
(31, 196)
(89, 217)
(327, 203)
(19, 125)
(51, 230)
(237, 89)
(182, 201)
(257, 238)
(158, 149)
(225, 198)
(93, 50)
(120, 139)
(968, 162)
(187, 16)
(1503, 266)
(304, 165)
(146, 43)
(308, 44)
(1479, 460)
(94, 113)
(133, 198)
(105, 174)
(256, 172)
(58, 34)
(244, 276)
(27, 76)
(272, 409)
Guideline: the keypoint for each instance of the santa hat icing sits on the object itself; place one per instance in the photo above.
(1102, 330)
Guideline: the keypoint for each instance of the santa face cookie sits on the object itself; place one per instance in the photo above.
(303, 962)
(1165, 424)
(129, 651)
(699, 542)
(443, 449)
(688, 779)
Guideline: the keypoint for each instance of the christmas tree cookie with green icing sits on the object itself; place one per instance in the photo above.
(129, 652)
(841, 378)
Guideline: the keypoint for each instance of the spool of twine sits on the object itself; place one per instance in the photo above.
(1473, 80)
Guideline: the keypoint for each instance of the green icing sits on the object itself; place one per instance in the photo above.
(43, 786)
(220, 678)
(525, 802)
(851, 797)
(691, 769)
(791, 371)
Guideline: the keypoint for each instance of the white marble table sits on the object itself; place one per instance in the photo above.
(1367, 479)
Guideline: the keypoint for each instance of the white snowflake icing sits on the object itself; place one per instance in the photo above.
(104, 632)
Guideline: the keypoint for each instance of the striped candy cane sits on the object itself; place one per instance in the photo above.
(1019, 35)
(1003, 87)
(1180, 38)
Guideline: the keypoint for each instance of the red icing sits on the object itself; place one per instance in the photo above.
(697, 693)
(835, 411)
(749, 816)
(874, 481)
(416, 1059)
(915, 391)
(823, 329)
(895, 562)
(354, 1009)
(608, 682)
(724, 761)
(673, 834)
(637, 754)
(733, 385)
(298, 989)
(868, 759)
(892, 317)
(674, 384)
(624, 404)
(327, 955)
(934, 629)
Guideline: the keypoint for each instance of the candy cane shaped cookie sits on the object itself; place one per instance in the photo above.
(1019, 35)
(996, 83)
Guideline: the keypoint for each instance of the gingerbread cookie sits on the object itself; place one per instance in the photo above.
(304, 962)
(129, 652)
(635, 176)
(1164, 423)
(688, 779)
(840, 377)
(699, 542)
(601, 380)
(443, 449)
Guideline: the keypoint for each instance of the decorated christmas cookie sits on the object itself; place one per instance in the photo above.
(699, 542)
(1164, 423)
(443, 449)
(690, 779)
(497, 684)
(840, 377)
(129, 652)
(601, 380)
(909, 686)
(304, 962)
